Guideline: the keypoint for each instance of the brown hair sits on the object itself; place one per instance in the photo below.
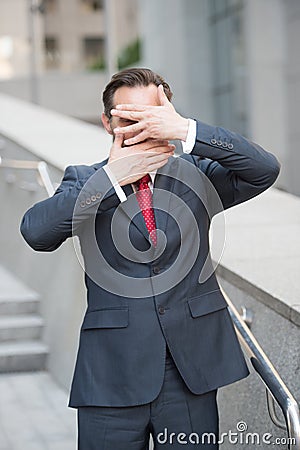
(131, 77)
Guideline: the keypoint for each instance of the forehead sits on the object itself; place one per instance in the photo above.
(140, 95)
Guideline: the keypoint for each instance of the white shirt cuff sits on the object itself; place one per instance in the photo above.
(189, 143)
(119, 191)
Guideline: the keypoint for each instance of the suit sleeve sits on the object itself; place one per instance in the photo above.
(48, 223)
(238, 168)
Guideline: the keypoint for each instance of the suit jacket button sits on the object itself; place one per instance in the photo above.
(93, 198)
(230, 146)
(88, 201)
(156, 269)
(225, 145)
(82, 204)
(219, 143)
(98, 195)
(213, 141)
(161, 310)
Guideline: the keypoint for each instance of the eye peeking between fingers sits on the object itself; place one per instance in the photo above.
(126, 122)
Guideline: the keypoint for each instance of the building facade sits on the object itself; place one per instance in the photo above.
(51, 50)
(233, 63)
(230, 62)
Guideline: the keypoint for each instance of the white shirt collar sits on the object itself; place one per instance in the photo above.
(152, 175)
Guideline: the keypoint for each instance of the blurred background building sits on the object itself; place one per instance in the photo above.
(232, 63)
(53, 52)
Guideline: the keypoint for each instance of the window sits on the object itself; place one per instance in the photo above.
(50, 6)
(92, 5)
(93, 48)
(229, 83)
(52, 53)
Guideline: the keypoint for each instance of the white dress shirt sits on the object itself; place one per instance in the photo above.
(187, 147)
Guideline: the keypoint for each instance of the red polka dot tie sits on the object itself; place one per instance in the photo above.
(144, 197)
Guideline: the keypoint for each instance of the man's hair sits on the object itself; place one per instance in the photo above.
(131, 77)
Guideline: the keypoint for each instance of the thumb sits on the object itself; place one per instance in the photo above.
(163, 99)
(118, 140)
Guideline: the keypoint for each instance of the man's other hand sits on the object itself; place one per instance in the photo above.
(128, 164)
(152, 122)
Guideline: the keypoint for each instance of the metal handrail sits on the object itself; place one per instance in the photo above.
(40, 166)
(276, 389)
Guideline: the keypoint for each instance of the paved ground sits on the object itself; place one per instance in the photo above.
(34, 414)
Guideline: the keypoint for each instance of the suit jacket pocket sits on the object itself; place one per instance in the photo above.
(106, 318)
(207, 303)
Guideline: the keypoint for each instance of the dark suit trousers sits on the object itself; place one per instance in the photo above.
(175, 410)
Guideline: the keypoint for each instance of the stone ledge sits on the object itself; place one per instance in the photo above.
(56, 138)
(279, 306)
(262, 251)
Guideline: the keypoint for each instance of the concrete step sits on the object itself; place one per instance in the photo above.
(18, 306)
(26, 326)
(21, 356)
(15, 296)
(20, 326)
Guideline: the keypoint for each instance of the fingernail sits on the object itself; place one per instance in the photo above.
(116, 130)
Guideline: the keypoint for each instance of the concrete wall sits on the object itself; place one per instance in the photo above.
(293, 94)
(266, 48)
(57, 276)
(176, 43)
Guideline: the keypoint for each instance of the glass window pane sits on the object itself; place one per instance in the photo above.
(92, 5)
(93, 48)
(52, 54)
(230, 72)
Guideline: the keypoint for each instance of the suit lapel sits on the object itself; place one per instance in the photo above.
(162, 193)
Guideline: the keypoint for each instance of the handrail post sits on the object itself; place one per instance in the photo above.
(44, 174)
(40, 166)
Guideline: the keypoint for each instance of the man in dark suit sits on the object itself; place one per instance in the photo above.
(157, 340)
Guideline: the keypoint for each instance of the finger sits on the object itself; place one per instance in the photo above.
(134, 128)
(157, 165)
(131, 115)
(152, 159)
(150, 143)
(140, 137)
(161, 148)
(132, 107)
(161, 142)
(163, 99)
(118, 142)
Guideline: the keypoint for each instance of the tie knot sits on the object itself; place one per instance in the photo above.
(142, 183)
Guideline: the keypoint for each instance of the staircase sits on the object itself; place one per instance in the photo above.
(21, 348)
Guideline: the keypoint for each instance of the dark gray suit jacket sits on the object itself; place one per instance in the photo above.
(138, 297)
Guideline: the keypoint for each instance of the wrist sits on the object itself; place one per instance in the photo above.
(116, 169)
(182, 129)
